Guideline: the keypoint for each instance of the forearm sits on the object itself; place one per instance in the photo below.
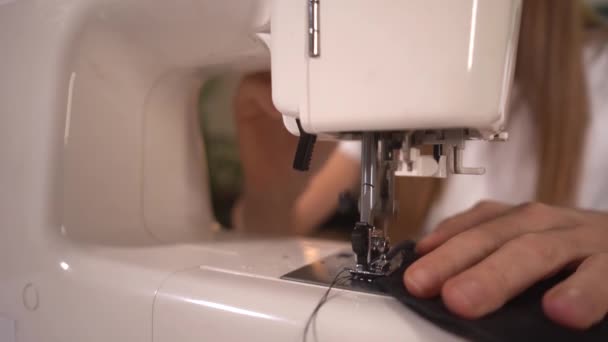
(298, 207)
(320, 198)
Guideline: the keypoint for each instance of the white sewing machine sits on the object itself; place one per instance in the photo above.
(106, 227)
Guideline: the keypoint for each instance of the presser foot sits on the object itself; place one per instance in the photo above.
(381, 267)
(366, 275)
(371, 247)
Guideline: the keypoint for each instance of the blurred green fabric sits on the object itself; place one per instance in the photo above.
(219, 138)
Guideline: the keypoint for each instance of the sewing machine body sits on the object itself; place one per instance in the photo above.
(396, 75)
(419, 64)
(106, 228)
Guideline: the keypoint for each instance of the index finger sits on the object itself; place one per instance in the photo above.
(427, 275)
(450, 227)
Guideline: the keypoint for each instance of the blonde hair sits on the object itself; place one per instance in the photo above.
(550, 75)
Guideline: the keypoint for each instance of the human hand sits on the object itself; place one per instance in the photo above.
(481, 258)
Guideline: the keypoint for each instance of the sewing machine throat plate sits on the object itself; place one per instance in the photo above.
(324, 271)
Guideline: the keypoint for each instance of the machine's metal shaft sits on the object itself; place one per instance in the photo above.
(369, 160)
(370, 244)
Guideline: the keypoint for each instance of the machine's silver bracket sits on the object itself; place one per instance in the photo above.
(454, 142)
(314, 32)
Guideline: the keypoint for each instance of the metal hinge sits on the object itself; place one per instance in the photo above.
(313, 29)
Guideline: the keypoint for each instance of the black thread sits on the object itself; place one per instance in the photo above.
(322, 301)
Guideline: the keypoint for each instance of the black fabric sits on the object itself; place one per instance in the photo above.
(521, 319)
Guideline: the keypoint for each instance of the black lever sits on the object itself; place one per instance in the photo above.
(306, 145)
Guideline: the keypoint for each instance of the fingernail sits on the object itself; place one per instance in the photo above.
(468, 295)
(570, 302)
(420, 280)
(565, 297)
